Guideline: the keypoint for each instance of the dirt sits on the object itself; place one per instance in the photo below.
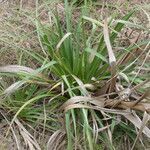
(14, 25)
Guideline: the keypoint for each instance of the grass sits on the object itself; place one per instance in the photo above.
(78, 93)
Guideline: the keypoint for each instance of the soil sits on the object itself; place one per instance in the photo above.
(13, 26)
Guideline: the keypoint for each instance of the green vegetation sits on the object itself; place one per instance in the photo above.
(79, 91)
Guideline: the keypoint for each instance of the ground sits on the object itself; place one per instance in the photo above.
(17, 34)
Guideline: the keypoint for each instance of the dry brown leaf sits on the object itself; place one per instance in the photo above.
(28, 138)
(97, 104)
(100, 104)
(138, 123)
(146, 118)
(56, 140)
(112, 58)
(15, 86)
(128, 105)
(16, 69)
(103, 128)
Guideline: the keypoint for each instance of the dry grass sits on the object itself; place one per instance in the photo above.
(17, 33)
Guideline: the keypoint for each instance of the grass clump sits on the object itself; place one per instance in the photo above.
(80, 91)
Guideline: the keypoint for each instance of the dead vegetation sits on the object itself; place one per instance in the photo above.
(122, 94)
